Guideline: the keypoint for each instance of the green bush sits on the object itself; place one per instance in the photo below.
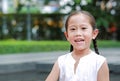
(13, 47)
(32, 46)
(108, 44)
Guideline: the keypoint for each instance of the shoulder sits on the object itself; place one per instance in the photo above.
(99, 60)
(63, 58)
(97, 57)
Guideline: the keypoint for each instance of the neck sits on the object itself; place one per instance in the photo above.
(77, 54)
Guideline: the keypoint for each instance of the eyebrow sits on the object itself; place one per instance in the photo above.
(77, 25)
(72, 25)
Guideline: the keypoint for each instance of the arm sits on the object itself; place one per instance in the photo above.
(103, 73)
(54, 74)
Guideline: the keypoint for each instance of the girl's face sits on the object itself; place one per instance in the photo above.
(80, 32)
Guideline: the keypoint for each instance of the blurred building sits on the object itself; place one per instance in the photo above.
(42, 6)
(18, 15)
(20, 18)
(7, 6)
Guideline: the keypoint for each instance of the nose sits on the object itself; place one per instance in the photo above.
(78, 33)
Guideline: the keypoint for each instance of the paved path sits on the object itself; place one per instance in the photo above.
(22, 62)
(112, 55)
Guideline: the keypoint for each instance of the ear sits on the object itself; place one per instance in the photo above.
(95, 33)
(66, 35)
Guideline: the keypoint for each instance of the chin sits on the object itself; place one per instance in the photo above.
(80, 48)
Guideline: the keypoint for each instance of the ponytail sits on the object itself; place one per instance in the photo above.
(95, 46)
(71, 48)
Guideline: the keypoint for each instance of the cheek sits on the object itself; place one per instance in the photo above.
(70, 36)
(88, 35)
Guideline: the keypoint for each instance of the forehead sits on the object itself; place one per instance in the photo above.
(79, 18)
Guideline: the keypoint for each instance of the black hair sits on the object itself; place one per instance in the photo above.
(92, 21)
(95, 46)
(71, 48)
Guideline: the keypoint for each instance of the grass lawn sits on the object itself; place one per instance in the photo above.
(12, 46)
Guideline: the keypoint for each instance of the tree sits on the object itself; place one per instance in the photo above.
(104, 11)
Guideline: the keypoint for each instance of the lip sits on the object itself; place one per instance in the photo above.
(79, 40)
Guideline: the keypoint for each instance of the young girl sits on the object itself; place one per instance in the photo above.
(81, 64)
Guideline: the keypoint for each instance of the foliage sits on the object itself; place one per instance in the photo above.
(108, 44)
(77, 1)
(103, 17)
(31, 9)
(32, 46)
(13, 46)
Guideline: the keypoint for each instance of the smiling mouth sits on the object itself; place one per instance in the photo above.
(79, 40)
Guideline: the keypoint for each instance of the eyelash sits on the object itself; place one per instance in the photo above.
(84, 28)
(72, 29)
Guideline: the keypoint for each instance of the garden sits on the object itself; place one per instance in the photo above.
(15, 47)
(26, 30)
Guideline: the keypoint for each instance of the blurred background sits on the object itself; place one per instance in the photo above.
(31, 35)
(44, 19)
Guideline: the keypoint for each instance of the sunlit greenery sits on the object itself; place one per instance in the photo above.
(12, 46)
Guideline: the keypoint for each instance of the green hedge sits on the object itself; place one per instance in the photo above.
(108, 44)
(32, 46)
(12, 46)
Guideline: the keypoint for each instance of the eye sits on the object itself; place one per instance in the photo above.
(83, 28)
(72, 28)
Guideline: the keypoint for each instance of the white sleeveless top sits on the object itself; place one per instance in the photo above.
(86, 70)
